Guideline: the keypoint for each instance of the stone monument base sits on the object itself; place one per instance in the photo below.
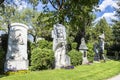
(15, 65)
(85, 60)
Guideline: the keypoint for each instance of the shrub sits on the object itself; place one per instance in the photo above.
(74, 45)
(90, 52)
(41, 44)
(42, 59)
(50, 45)
(76, 57)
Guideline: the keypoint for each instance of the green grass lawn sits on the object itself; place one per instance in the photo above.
(96, 71)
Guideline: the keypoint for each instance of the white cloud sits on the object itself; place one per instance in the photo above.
(20, 4)
(107, 16)
(106, 3)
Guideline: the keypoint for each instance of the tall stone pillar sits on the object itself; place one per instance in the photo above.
(17, 57)
(62, 60)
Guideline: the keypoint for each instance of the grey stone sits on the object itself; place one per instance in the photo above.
(83, 45)
(59, 46)
(101, 46)
(16, 57)
(83, 49)
(96, 50)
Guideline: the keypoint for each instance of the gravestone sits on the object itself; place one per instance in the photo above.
(101, 46)
(83, 49)
(96, 50)
(59, 46)
(16, 57)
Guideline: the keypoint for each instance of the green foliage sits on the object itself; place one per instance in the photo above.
(74, 45)
(76, 57)
(41, 59)
(90, 52)
(116, 34)
(44, 44)
(41, 44)
(102, 26)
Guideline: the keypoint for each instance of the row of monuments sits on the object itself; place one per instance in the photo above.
(17, 57)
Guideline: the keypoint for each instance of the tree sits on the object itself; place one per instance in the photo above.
(1, 1)
(75, 15)
(115, 48)
(6, 15)
(118, 10)
(102, 26)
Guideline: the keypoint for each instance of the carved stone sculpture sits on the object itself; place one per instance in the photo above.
(16, 57)
(59, 46)
(96, 50)
(101, 46)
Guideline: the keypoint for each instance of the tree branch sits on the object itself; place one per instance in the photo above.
(52, 4)
(62, 4)
(1, 1)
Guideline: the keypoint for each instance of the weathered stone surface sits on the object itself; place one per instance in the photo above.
(83, 49)
(59, 46)
(16, 57)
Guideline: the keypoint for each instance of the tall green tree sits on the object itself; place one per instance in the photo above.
(76, 13)
(116, 30)
(103, 26)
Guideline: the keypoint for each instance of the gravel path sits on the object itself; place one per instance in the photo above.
(115, 78)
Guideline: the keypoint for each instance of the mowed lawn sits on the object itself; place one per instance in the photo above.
(96, 71)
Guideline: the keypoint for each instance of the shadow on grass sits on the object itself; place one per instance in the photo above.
(113, 58)
(2, 76)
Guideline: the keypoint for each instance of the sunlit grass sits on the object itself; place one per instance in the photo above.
(96, 71)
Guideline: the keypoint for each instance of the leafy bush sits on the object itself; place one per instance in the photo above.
(42, 59)
(42, 44)
(90, 52)
(76, 57)
(50, 44)
(74, 45)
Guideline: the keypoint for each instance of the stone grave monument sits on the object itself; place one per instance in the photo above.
(59, 46)
(16, 57)
(96, 50)
(101, 46)
(83, 49)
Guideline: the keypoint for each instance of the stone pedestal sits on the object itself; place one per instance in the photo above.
(16, 57)
(84, 57)
(83, 49)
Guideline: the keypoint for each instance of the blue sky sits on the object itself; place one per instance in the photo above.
(106, 7)
(107, 10)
